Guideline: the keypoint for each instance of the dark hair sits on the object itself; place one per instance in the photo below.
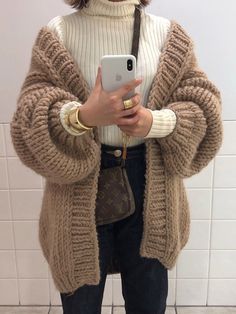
(79, 4)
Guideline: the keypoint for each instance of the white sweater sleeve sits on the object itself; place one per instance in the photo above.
(163, 123)
(63, 116)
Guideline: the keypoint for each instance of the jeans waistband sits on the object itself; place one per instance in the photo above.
(116, 151)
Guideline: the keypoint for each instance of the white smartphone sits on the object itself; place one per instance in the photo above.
(118, 70)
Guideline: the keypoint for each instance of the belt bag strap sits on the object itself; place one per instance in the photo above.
(136, 31)
(115, 199)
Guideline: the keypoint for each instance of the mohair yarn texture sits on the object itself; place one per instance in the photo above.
(71, 165)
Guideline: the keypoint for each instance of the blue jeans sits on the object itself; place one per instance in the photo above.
(144, 280)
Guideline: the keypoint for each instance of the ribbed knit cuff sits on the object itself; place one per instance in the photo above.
(189, 131)
(163, 123)
(63, 116)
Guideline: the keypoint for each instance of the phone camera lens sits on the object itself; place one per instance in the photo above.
(129, 64)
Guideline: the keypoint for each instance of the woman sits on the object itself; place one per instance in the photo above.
(175, 130)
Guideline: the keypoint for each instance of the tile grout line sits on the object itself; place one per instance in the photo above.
(210, 238)
(12, 221)
(175, 303)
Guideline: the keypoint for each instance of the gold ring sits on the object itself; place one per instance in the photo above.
(128, 103)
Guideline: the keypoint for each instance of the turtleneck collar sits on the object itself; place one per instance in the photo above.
(106, 8)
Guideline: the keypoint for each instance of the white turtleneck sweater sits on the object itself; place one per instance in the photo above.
(106, 27)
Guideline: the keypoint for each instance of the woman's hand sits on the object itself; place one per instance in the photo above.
(107, 108)
(142, 126)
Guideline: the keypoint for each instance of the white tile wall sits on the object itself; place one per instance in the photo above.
(26, 235)
(31, 264)
(171, 292)
(7, 264)
(223, 264)
(17, 171)
(3, 173)
(10, 152)
(2, 142)
(5, 212)
(225, 172)
(9, 292)
(26, 204)
(199, 238)
(107, 295)
(205, 272)
(193, 264)
(229, 143)
(117, 292)
(6, 236)
(200, 203)
(223, 235)
(222, 291)
(191, 292)
(220, 210)
(202, 179)
(33, 291)
(28, 310)
(53, 293)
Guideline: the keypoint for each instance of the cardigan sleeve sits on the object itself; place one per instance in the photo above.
(198, 132)
(39, 138)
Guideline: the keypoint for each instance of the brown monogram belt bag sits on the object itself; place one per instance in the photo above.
(115, 199)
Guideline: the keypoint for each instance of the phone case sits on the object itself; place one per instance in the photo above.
(115, 72)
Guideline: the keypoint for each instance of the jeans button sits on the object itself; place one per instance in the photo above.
(117, 152)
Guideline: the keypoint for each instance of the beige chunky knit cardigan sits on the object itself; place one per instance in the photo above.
(70, 164)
